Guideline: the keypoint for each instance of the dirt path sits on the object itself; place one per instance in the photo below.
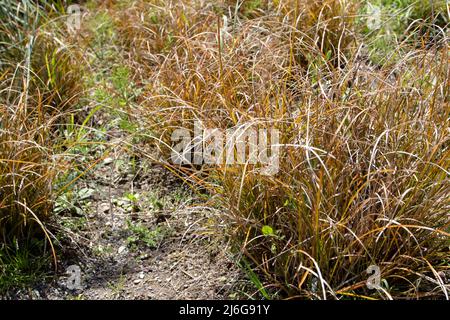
(140, 235)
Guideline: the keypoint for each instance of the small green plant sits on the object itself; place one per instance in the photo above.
(142, 235)
(73, 201)
(129, 202)
(155, 201)
(75, 224)
(120, 79)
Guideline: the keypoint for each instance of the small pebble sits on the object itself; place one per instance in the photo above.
(104, 207)
(108, 160)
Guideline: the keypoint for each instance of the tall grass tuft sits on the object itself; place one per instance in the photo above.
(40, 84)
(363, 176)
